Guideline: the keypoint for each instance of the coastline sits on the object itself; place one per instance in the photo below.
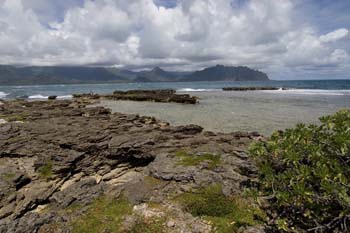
(67, 89)
(250, 111)
(66, 164)
(61, 153)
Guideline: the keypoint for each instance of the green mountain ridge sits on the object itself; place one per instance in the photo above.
(41, 75)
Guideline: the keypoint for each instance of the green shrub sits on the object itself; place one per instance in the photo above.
(226, 214)
(208, 202)
(306, 173)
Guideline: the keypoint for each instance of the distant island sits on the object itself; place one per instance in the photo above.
(43, 75)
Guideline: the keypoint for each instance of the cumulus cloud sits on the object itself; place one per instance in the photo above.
(185, 34)
(306, 48)
(335, 35)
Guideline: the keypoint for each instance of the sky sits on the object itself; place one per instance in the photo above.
(288, 39)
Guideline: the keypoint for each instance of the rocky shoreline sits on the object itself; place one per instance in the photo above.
(58, 157)
(164, 96)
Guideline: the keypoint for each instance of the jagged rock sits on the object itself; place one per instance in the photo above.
(2, 121)
(66, 153)
(20, 180)
(82, 192)
(165, 95)
(52, 97)
(30, 222)
(7, 210)
(189, 129)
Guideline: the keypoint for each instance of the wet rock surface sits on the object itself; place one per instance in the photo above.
(62, 153)
(165, 96)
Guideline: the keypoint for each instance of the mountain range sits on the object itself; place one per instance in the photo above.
(41, 75)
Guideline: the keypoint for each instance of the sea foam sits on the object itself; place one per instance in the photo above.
(3, 94)
(310, 92)
(198, 90)
(64, 97)
(37, 97)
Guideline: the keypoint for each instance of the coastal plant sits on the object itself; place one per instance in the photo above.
(107, 214)
(104, 215)
(13, 118)
(226, 214)
(149, 226)
(152, 182)
(8, 176)
(45, 171)
(305, 174)
(188, 159)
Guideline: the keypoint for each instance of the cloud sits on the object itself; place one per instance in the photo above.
(335, 35)
(50, 11)
(175, 34)
(305, 48)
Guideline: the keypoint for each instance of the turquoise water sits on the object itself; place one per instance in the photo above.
(259, 111)
(219, 111)
(65, 90)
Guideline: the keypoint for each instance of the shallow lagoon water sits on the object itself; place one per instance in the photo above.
(260, 111)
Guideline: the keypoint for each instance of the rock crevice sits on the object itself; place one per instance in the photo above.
(64, 153)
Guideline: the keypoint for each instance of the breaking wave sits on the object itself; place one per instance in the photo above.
(194, 90)
(45, 97)
(37, 97)
(3, 94)
(310, 92)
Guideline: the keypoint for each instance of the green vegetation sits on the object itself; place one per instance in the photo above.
(16, 118)
(104, 215)
(305, 171)
(8, 176)
(187, 159)
(12, 118)
(45, 171)
(226, 214)
(107, 215)
(72, 208)
(154, 226)
(151, 181)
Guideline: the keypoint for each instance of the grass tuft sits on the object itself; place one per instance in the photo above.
(104, 215)
(151, 181)
(45, 171)
(187, 159)
(8, 176)
(154, 226)
(226, 214)
(107, 215)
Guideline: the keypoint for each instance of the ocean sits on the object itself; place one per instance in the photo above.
(218, 111)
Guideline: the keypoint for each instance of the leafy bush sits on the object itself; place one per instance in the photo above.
(209, 202)
(306, 173)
